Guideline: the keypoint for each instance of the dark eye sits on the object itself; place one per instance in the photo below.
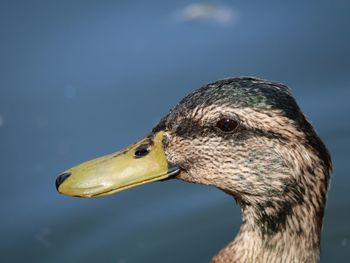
(227, 125)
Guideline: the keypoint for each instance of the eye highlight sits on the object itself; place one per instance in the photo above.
(227, 125)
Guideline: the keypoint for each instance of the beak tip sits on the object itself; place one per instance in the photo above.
(61, 178)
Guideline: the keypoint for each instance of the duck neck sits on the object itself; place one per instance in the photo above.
(268, 239)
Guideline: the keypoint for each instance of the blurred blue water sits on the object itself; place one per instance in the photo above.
(79, 79)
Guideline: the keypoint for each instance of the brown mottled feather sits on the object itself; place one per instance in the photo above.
(274, 164)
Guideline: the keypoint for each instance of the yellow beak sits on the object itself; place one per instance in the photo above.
(140, 163)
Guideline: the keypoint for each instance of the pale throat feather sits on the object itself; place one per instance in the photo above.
(298, 239)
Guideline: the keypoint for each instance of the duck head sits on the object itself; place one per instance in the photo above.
(245, 136)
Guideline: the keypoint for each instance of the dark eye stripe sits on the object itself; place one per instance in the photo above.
(189, 130)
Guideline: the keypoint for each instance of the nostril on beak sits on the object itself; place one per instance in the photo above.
(61, 178)
(142, 150)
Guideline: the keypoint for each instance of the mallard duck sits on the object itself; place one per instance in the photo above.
(247, 137)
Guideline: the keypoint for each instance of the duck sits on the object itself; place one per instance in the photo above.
(247, 137)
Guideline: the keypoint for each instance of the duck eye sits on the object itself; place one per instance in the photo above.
(227, 125)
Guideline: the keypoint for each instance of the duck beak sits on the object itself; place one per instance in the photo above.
(140, 163)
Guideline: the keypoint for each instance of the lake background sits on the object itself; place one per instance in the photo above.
(79, 79)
